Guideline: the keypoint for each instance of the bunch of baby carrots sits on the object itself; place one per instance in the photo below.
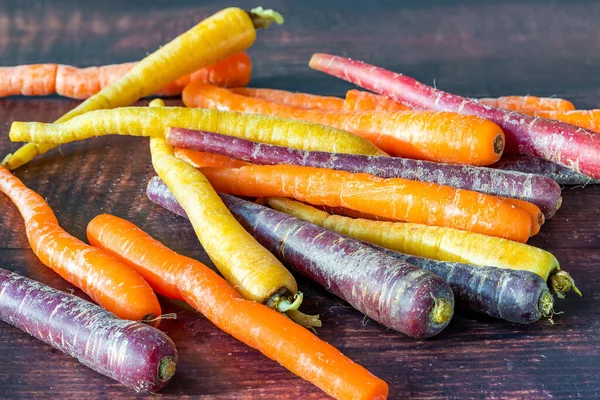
(407, 177)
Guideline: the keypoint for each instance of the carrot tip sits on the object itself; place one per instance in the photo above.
(5, 160)
(305, 320)
(442, 311)
(166, 368)
(262, 18)
(499, 144)
(561, 283)
(546, 305)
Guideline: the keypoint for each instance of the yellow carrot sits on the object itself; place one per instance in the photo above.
(145, 121)
(226, 33)
(438, 243)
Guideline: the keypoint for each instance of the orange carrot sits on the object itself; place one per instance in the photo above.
(28, 80)
(435, 136)
(303, 100)
(260, 327)
(528, 104)
(359, 100)
(108, 281)
(536, 215)
(81, 83)
(201, 159)
(587, 119)
(399, 199)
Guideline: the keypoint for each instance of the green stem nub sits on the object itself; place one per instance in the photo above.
(166, 368)
(546, 304)
(442, 311)
(262, 18)
(561, 282)
(305, 320)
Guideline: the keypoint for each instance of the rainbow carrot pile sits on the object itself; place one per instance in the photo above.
(433, 197)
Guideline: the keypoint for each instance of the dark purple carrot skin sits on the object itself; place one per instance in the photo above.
(565, 144)
(135, 354)
(392, 292)
(534, 165)
(539, 190)
(516, 296)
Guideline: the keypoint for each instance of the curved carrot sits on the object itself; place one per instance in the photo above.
(400, 199)
(227, 32)
(28, 80)
(303, 100)
(200, 159)
(528, 104)
(359, 100)
(587, 119)
(446, 137)
(108, 281)
(274, 335)
(146, 121)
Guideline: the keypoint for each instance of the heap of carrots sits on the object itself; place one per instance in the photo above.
(275, 146)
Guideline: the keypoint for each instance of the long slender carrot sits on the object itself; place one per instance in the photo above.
(274, 335)
(146, 121)
(568, 145)
(201, 159)
(439, 243)
(359, 100)
(446, 137)
(108, 281)
(528, 104)
(303, 100)
(397, 198)
(28, 80)
(588, 119)
(82, 83)
(226, 33)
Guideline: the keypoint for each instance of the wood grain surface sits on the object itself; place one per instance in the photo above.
(475, 48)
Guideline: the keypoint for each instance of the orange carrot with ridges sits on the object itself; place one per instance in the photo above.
(303, 100)
(528, 104)
(108, 281)
(587, 119)
(200, 159)
(260, 327)
(28, 80)
(399, 199)
(435, 136)
(359, 100)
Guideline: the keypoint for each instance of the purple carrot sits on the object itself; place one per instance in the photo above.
(559, 142)
(392, 292)
(539, 190)
(534, 165)
(135, 354)
(517, 296)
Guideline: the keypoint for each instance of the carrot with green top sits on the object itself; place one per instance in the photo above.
(446, 137)
(146, 121)
(108, 281)
(303, 100)
(224, 34)
(397, 198)
(264, 329)
(439, 243)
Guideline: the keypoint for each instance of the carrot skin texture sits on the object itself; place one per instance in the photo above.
(565, 144)
(528, 104)
(393, 293)
(540, 190)
(189, 280)
(304, 100)
(129, 352)
(533, 165)
(108, 281)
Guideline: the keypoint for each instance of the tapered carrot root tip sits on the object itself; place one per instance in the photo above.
(442, 311)
(499, 144)
(561, 283)
(166, 368)
(546, 304)
(262, 18)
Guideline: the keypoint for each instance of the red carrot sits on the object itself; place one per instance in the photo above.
(565, 144)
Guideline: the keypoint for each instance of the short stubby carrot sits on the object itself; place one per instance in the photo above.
(396, 198)
(200, 159)
(587, 119)
(304, 100)
(224, 34)
(260, 327)
(147, 121)
(359, 100)
(109, 282)
(528, 104)
(434, 136)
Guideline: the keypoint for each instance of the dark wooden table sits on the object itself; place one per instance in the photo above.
(474, 48)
